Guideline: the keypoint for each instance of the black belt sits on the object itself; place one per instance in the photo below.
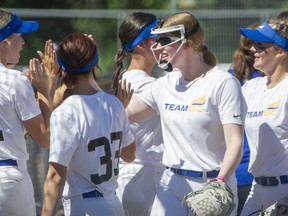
(191, 173)
(92, 194)
(271, 181)
(8, 162)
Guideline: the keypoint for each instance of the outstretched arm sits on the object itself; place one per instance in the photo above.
(38, 127)
(138, 110)
(49, 61)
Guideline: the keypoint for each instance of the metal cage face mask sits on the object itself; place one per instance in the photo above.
(165, 40)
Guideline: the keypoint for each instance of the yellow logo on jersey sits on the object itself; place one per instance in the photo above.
(271, 109)
(196, 105)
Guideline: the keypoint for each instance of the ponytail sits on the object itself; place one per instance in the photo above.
(118, 69)
(209, 57)
(242, 64)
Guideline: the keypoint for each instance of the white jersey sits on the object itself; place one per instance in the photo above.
(267, 127)
(87, 134)
(147, 132)
(192, 116)
(17, 104)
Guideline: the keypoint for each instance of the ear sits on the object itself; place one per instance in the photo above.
(6, 42)
(141, 47)
(281, 53)
(188, 44)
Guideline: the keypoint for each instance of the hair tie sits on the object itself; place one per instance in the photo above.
(194, 29)
(221, 178)
(204, 48)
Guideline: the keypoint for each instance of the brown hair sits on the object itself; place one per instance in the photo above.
(280, 26)
(129, 29)
(194, 31)
(283, 15)
(243, 58)
(75, 50)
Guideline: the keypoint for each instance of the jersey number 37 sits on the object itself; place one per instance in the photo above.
(106, 159)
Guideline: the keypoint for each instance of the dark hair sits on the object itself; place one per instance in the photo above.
(129, 29)
(283, 15)
(75, 51)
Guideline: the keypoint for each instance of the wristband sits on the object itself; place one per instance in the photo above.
(221, 178)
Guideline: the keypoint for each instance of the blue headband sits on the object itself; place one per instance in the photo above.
(85, 68)
(143, 35)
(16, 25)
(265, 34)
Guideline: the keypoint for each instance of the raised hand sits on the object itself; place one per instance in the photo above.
(50, 63)
(49, 59)
(124, 92)
(38, 75)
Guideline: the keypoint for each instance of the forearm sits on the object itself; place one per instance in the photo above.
(59, 96)
(53, 86)
(53, 189)
(45, 105)
(52, 196)
(138, 110)
(234, 149)
(231, 161)
(38, 126)
(128, 153)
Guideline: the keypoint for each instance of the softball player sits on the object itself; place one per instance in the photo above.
(18, 109)
(243, 70)
(201, 109)
(266, 121)
(89, 132)
(147, 168)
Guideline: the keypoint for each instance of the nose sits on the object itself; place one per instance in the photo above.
(159, 47)
(156, 47)
(253, 49)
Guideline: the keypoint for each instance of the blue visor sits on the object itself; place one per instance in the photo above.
(16, 25)
(80, 70)
(265, 34)
(144, 34)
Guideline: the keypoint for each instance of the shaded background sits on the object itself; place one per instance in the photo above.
(220, 19)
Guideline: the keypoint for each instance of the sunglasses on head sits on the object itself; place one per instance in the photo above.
(165, 40)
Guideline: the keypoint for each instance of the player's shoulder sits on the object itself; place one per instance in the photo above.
(169, 77)
(219, 73)
(255, 82)
(109, 100)
(108, 96)
(135, 74)
(139, 80)
(14, 80)
(219, 77)
(11, 74)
